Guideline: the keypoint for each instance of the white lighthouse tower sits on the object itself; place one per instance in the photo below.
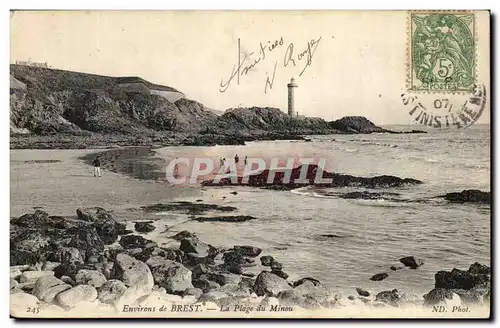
(291, 105)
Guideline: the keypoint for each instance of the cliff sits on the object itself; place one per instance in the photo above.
(64, 102)
(57, 104)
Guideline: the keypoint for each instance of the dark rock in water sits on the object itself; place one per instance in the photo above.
(362, 292)
(233, 267)
(280, 274)
(266, 260)
(144, 227)
(437, 296)
(469, 196)
(183, 234)
(391, 297)
(270, 284)
(379, 276)
(111, 291)
(411, 261)
(194, 245)
(135, 241)
(189, 207)
(234, 193)
(355, 124)
(228, 218)
(250, 251)
(276, 266)
(350, 297)
(478, 268)
(299, 282)
(364, 195)
(106, 226)
(460, 279)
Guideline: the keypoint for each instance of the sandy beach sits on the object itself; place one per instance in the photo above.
(66, 183)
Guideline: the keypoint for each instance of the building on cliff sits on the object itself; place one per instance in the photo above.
(136, 84)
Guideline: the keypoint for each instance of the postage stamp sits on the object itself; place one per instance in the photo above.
(249, 164)
(442, 52)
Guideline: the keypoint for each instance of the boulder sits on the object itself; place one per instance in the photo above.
(173, 276)
(47, 287)
(67, 254)
(144, 227)
(276, 266)
(86, 240)
(299, 282)
(362, 292)
(250, 251)
(167, 253)
(411, 261)
(68, 280)
(132, 272)
(460, 279)
(33, 276)
(49, 266)
(280, 274)
(69, 269)
(478, 268)
(136, 241)
(20, 302)
(233, 257)
(71, 297)
(37, 220)
(266, 260)
(397, 266)
(15, 273)
(194, 245)
(205, 284)
(223, 278)
(469, 196)
(306, 295)
(29, 246)
(111, 291)
(441, 296)
(379, 276)
(270, 284)
(183, 235)
(90, 277)
(196, 292)
(390, 297)
(471, 296)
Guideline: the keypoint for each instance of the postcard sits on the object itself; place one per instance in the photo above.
(250, 164)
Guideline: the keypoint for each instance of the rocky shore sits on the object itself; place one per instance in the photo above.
(91, 264)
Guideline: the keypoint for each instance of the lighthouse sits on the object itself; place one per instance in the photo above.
(291, 105)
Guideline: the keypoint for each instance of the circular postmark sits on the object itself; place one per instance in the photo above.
(446, 110)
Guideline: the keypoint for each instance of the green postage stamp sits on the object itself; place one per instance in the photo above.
(442, 52)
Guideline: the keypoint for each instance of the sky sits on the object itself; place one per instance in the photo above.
(344, 62)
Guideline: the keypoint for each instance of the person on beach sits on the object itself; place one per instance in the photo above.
(236, 159)
(221, 162)
(246, 160)
(176, 169)
(97, 166)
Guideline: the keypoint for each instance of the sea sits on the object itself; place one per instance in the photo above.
(343, 242)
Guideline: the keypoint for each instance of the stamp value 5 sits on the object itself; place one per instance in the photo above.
(442, 52)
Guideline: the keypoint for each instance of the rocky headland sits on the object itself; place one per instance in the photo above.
(91, 262)
(58, 109)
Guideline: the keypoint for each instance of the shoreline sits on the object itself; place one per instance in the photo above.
(124, 270)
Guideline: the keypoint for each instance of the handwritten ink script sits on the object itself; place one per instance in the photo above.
(293, 56)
